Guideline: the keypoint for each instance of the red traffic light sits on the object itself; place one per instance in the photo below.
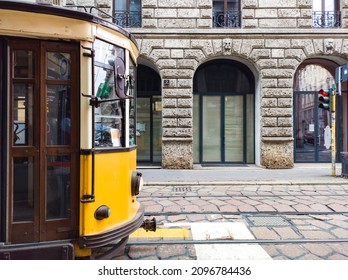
(323, 92)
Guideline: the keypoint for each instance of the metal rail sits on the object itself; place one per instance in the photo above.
(176, 195)
(236, 241)
(243, 213)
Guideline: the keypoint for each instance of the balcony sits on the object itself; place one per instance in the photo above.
(223, 19)
(326, 19)
(127, 19)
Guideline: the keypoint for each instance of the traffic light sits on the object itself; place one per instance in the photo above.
(324, 99)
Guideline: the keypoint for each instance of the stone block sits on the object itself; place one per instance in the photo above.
(266, 13)
(177, 3)
(285, 121)
(204, 4)
(149, 3)
(188, 13)
(249, 4)
(185, 122)
(185, 83)
(177, 113)
(204, 23)
(149, 23)
(177, 132)
(176, 23)
(169, 122)
(166, 13)
(184, 103)
(177, 154)
(269, 121)
(277, 3)
(277, 154)
(277, 23)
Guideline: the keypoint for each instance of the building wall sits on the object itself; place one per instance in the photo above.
(275, 37)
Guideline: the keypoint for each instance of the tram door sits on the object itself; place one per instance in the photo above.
(43, 140)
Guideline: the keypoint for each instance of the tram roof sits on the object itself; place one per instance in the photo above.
(63, 12)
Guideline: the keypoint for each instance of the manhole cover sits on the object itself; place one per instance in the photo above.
(181, 189)
(268, 220)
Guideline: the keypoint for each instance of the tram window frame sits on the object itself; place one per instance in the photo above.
(109, 115)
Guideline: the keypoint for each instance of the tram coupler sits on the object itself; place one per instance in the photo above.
(149, 224)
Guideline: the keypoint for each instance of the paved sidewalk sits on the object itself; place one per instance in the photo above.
(301, 174)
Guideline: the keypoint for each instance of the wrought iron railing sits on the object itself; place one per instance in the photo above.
(223, 19)
(121, 18)
(127, 19)
(326, 19)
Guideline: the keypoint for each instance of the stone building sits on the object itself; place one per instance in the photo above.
(235, 82)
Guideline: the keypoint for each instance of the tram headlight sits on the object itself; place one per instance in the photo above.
(102, 212)
(137, 182)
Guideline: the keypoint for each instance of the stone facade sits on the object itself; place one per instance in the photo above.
(274, 38)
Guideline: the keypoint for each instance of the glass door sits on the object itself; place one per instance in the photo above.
(149, 129)
(223, 129)
(234, 129)
(311, 126)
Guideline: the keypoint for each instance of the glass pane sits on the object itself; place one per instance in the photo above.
(305, 138)
(120, 5)
(234, 134)
(23, 125)
(157, 129)
(108, 125)
(58, 187)
(143, 129)
(196, 128)
(109, 115)
(58, 66)
(324, 124)
(211, 128)
(135, 5)
(23, 64)
(23, 189)
(250, 128)
(58, 115)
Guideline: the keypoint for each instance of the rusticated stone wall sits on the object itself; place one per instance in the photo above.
(275, 37)
(274, 60)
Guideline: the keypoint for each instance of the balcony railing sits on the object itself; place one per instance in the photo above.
(127, 19)
(326, 19)
(223, 19)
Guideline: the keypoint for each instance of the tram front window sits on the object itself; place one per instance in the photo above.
(109, 82)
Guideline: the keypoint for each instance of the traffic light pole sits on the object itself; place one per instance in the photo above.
(333, 132)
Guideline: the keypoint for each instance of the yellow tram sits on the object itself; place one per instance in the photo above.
(68, 179)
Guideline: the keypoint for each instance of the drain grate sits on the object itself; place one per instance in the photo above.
(181, 189)
(268, 220)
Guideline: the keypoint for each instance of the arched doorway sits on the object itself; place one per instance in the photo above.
(312, 123)
(224, 113)
(149, 116)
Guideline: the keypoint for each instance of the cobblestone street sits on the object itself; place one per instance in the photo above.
(311, 219)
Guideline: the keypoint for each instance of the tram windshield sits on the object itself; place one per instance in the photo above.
(109, 65)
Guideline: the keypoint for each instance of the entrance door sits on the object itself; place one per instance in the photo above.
(223, 113)
(311, 125)
(223, 130)
(43, 140)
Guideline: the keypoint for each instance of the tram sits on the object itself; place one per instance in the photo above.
(68, 178)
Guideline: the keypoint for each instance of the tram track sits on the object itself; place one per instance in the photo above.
(313, 213)
(237, 241)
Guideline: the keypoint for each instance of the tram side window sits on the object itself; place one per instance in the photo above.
(109, 115)
(132, 108)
